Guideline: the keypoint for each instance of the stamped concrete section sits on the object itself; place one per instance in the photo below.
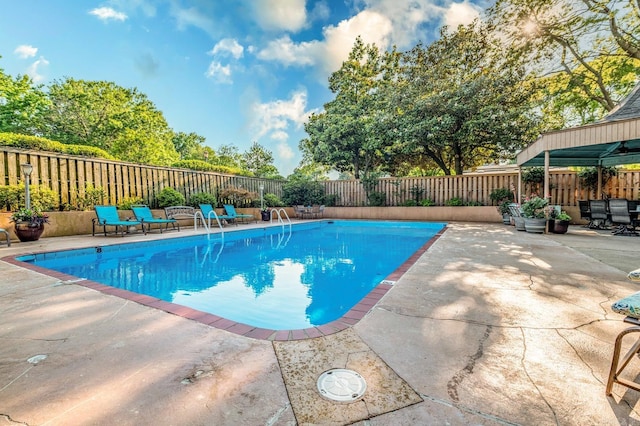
(303, 362)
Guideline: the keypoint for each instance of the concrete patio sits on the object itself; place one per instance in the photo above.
(490, 326)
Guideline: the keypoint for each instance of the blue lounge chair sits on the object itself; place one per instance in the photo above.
(208, 213)
(144, 215)
(231, 211)
(108, 216)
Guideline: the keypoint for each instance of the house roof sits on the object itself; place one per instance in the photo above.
(611, 141)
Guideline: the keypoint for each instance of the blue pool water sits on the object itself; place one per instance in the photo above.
(277, 278)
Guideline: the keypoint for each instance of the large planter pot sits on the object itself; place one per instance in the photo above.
(27, 232)
(506, 218)
(560, 226)
(519, 223)
(266, 215)
(534, 225)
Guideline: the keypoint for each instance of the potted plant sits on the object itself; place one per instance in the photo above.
(265, 213)
(29, 223)
(535, 216)
(560, 223)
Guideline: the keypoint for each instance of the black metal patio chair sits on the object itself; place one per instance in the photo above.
(620, 216)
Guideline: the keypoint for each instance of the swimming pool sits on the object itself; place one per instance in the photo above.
(278, 278)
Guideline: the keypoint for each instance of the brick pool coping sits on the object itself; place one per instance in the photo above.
(352, 317)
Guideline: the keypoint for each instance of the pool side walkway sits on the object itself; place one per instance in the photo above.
(490, 326)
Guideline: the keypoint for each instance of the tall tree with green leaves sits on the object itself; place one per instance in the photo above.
(586, 51)
(121, 121)
(22, 105)
(190, 146)
(462, 101)
(259, 160)
(227, 155)
(346, 136)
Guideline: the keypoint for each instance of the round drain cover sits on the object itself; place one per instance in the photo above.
(341, 385)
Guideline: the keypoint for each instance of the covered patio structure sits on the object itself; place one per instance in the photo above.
(612, 141)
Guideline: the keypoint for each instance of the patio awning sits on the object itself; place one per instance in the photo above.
(612, 141)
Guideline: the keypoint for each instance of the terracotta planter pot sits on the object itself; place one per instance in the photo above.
(26, 232)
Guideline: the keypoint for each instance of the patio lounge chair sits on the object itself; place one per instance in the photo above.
(208, 213)
(108, 216)
(144, 215)
(231, 211)
(6, 234)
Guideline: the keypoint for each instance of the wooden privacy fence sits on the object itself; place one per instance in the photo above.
(566, 188)
(69, 175)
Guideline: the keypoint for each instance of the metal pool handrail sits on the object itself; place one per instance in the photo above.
(277, 212)
(207, 223)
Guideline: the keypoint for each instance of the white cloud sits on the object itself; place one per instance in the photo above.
(371, 26)
(275, 118)
(329, 54)
(321, 11)
(287, 15)
(192, 17)
(107, 13)
(461, 14)
(284, 151)
(34, 69)
(285, 51)
(25, 51)
(228, 45)
(219, 73)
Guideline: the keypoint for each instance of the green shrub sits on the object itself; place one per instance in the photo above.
(169, 197)
(92, 196)
(331, 200)
(533, 175)
(377, 199)
(41, 144)
(203, 166)
(427, 202)
(454, 202)
(127, 202)
(409, 203)
(302, 191)
(498, 196)
(272, 200)
(202, 198)
(12, 197)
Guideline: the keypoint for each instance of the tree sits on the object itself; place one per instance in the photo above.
(121, 121)
(259, 161)
(346, 136)
(452, 104)
(228, 155)
(22, 105)
(587, 50)
(189, 146)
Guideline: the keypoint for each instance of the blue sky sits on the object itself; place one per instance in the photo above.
(234, 71)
